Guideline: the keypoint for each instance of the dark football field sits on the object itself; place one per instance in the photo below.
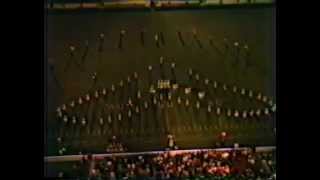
(214, 59)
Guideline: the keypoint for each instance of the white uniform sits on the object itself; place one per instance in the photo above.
(229, 112)
(258, 112)
(96, 94)
(83, 121)
(74, 120)
(234, 89)
(104, 91)
(65, 118)
(224, 87)
(236, 114)
(80, 100)
(198, 105)
(187, 102)
(215, 84)
(101, 121)
(146, 105)
(244, 114)
(197, 77)
(243, 91)
(218, 111)
(88, 97)
(206, 81)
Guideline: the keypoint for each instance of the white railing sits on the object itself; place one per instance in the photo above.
(98, 156)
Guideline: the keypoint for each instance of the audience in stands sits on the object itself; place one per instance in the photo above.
(172, 165)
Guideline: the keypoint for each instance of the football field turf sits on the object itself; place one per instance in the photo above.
(252, 26)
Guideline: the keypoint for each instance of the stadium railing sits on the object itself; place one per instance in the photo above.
(79, 157)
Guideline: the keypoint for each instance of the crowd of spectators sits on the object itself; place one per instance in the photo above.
(235, 164)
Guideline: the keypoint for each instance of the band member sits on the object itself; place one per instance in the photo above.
(59, 114)
(228, 112)
(74, 120)
(198, 105)
(101, 40)
(72, 104)
(209, 108)
(215, 84)
(129, 101)
(244, 114)
(113, 88)
(156, 38)
(88, 97)
(154, 100)
(243, 91)
(206, 81)
(247, 56)
(135, 75)
(161, 97)
(218, 111)
(72, 50)
(150, 68)
(273, 109)
(251, 113)
(83, 121)
(264, 99)
(197, 77)
(169, 96)
(259, 96)
(119, 116)
(65, 119)
(146, 105)
(121, 83)
(59, 140)
(161, 61)
(96, 94)
(173, 65)
(258, 112)
(109, 119)
(137, 110)
(236, 44)
(190, 72)
(187, 102)
(64, 107)
(250, 94)
(80, 101)
(139, 94)
(122, 33)
(104, 91)
(94, 78)
(236, 113)
(224, 87)
(179, 100)
(129, 113)
(58, 109)
(234, 89)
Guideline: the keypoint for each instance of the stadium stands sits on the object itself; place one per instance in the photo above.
(202, 164)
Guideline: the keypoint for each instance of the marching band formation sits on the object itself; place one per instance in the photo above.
(128, 104)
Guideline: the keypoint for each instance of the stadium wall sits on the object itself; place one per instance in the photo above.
(145, 4)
